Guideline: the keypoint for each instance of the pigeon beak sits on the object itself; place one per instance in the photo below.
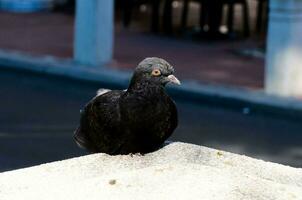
(173, 79)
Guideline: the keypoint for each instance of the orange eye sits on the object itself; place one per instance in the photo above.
(156, 72)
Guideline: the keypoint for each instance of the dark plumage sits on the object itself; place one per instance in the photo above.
(137, 120)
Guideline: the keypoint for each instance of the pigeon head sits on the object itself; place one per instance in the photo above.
(155, 70)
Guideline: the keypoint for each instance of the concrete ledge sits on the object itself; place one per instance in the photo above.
(178, 171)
(248, 100)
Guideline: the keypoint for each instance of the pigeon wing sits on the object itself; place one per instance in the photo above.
(102, 91)
(100, 126)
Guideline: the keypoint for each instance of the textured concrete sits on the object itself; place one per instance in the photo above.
(178, 171)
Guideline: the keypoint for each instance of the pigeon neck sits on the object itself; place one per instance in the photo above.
(144, 86)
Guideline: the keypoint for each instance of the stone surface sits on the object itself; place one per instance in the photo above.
(177, 171)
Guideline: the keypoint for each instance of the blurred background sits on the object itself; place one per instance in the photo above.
(211, 43)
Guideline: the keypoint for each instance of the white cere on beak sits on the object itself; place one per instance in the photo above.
(173, 79)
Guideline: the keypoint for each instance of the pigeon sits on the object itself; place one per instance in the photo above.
(136, 120)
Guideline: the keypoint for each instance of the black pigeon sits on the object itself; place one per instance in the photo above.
(136, 120)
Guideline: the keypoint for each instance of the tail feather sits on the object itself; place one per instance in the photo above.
(81, 139)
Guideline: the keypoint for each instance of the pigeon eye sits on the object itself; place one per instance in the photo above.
(156, 72)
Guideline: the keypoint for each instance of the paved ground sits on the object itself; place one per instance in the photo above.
(214, 62)
(39, 114)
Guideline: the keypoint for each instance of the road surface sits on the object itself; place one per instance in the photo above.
(39, 114)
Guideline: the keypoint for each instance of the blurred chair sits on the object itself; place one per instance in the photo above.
(129, 5)
(167, 17)
(66, 6)
(184, 16)
(245, 15)
(262, 15)
(208, 11)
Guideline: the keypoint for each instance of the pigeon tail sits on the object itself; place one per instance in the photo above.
(81, 140)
